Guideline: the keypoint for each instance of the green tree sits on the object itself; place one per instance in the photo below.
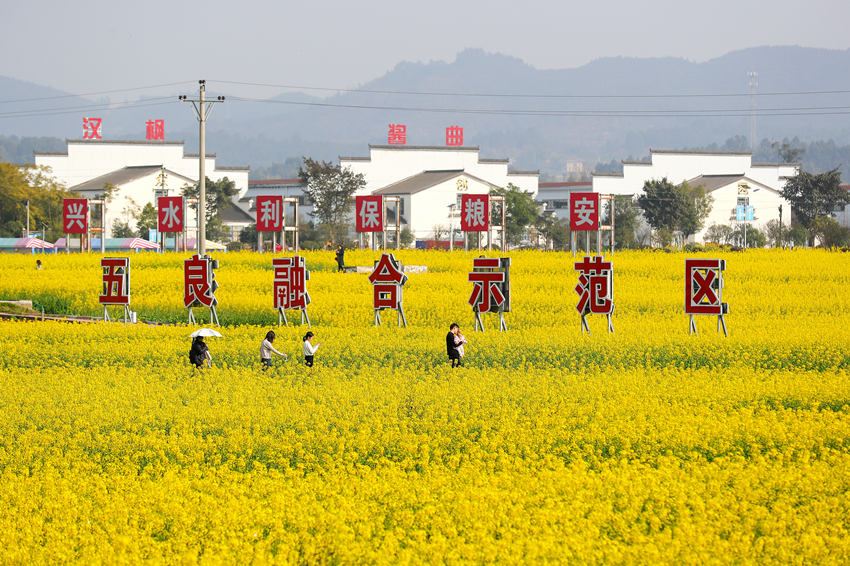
(219, 196)
(830, 233)
(19, 185)
(521, 212)
(148, 218)
(626, 215)
(331, 189)
(248, 235)
(788, 153)
(813, 195)
(675, 208)
(121, 229)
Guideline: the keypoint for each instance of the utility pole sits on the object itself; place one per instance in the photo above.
(753, 77)
(202, 112)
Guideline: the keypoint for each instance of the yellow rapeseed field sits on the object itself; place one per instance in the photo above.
(644, 446)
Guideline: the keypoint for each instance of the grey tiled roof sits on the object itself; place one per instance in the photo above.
(124, 175)
(425, 180)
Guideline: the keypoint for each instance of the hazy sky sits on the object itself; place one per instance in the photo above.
(85, 45)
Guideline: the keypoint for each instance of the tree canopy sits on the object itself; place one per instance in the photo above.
(521, 211)
(813, 195)
(21, 184)
(331, 189)
(219, 195)
(675, 208)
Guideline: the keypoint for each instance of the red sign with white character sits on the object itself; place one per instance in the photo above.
(116, 281)
(397, 134)
(487, 293)
(170, 214)
(595, 289)
(369, 213)
(387, 279)
(584, 211)
(474, 213)
(269, 213)
(75, 215)
(91, 128)
(199, 283)
(703, 286)
(290, 283)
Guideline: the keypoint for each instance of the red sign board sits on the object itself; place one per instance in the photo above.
(454, 135)
(290, 283)
(199, 284)
(369, 214)
(397, 134)
(116, 281)
(584, 211)
(490, 289)
(595, 286)
(269, 213)
(75, 216)
(171, 214)
(703, 286)
(474, 213)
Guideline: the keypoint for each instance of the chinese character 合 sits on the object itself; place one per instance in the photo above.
(115, 281)
(486, 290)
(584, 211)
(594, 286)
(155, 129)
(476, 212)
(387, 279)
(454, 135)
(91, 128)
(197, 282)
(290, 283)
(397, 134)
(369, 212)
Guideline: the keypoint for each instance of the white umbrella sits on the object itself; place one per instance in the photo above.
(205, 332)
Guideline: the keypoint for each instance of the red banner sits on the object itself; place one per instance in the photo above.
(584, 211)
(75, 216)
(369, 214)
(269, 213)
(171, 214)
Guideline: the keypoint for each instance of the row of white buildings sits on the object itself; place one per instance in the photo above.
(427, 179)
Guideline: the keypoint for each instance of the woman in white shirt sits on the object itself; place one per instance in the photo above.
(266, 350)
(309, 349)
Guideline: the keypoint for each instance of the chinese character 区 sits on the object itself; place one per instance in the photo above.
(454, 135)
(116, 281)
(474, 213)
(198, 284)
(75, 215)
(290, 283)
(387, 280)
(91, 128)
(584, 211)
(397, 134)
(155, 129)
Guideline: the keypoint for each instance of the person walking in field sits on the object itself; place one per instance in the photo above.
(199, 354)
(266, 350)
(452, 344)
(340, 258)
(309, 349)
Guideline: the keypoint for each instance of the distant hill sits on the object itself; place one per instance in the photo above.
(261, 133)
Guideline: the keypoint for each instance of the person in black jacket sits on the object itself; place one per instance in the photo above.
(200, 353)
(451, 347)
(340, 258)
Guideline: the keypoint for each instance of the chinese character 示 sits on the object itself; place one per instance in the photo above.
(703, 285)
(75, 215)
(91, 128)
(595, 290)
(170, 214)
(155, 129)
(474, 213)
(290, 283)
(116, 281)
(397, 134)
(490, 290)
(269, 213)
(387, 279)
(454, 135)
(198, 284)
(584, 211)
(369, 214)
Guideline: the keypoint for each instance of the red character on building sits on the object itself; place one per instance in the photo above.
(397, 134)
(491, 291)
(290, 286)
(387, 280)
(584, 211)
(595, 289)
(171, 215)
(155, 129)
(75, 215)
(269, 213)
(474, 213)
(704, 290)
(454, 135)
(369, 215)
(91, 128)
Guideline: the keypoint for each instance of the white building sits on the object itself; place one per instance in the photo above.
(430, 179)
(721, 173)
(140, 171)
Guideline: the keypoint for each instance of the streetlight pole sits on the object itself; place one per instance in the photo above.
(202, 107)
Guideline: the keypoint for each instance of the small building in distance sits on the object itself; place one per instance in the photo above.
(555, 195)
(731, 178)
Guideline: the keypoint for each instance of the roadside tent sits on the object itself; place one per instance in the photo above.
(211, 246)
(24, 244)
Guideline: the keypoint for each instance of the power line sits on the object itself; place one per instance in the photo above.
(163, 85)
(77, 109)
(514, 95)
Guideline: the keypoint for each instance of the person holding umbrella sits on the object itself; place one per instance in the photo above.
(199, 354)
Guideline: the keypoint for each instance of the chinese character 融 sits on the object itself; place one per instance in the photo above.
(454, 135)
(198, 286)
(155, 129)
(91, 128)
(474, 213)
(397, 134)
(116, 281)
(290, 283)
(387, 280)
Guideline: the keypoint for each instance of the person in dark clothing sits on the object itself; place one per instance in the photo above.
(451, 347)
(199, 354)
(340, 258)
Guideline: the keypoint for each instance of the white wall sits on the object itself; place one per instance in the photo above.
(764, 200)
(431, 207)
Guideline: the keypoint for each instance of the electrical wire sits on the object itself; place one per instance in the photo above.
(94, 107)
(163, 85)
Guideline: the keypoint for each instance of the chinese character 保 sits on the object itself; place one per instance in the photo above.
(155, 129)
(91, 128)
(397, 134)
(454, 135)
(369, 211)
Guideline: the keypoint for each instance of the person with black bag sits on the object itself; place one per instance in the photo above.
(451, 345)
